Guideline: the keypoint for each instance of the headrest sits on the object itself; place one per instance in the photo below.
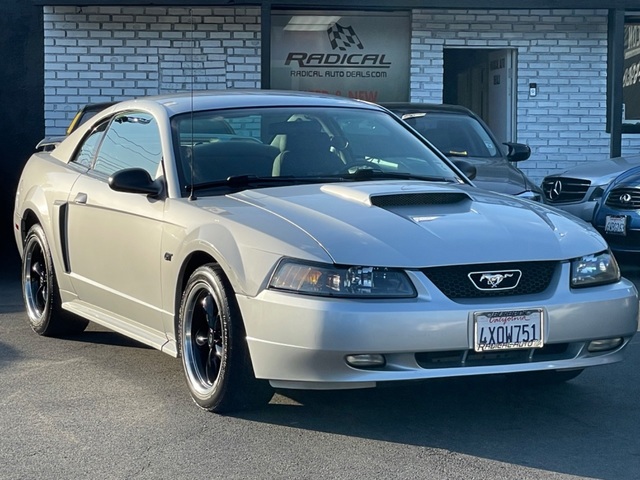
(310, 142)
(294, 127)
(207, 126)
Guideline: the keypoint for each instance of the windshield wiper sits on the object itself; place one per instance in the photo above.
(244, 181)
(239, 182)
(454, 153)
(373, 173)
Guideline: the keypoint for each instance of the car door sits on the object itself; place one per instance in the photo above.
(114, 237)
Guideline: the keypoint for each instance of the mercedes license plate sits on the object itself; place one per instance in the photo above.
(507, 330)
(615, 224)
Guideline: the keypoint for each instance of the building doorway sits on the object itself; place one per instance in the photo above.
(483, 80)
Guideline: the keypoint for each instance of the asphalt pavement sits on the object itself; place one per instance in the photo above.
(99, 405)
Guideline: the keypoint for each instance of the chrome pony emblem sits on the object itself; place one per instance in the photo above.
(495, 279)
(501, 280)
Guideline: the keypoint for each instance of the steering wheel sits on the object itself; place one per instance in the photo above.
(355, 167)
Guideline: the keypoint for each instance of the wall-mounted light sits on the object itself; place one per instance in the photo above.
(533, 89)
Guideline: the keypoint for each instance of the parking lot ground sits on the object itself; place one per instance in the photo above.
(10, 294)
(99, 405)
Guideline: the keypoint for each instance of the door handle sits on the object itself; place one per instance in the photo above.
(81, 198)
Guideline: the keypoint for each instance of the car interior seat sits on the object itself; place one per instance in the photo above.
(305, 151)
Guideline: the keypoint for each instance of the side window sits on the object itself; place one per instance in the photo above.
(132, 140)
(84, 156)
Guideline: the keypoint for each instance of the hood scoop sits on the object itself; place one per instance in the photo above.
(418, 199)
(393, 195)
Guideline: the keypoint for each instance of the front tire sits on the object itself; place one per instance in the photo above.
(213, 346)
(40, 290)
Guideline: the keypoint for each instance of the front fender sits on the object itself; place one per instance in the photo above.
(246, 243)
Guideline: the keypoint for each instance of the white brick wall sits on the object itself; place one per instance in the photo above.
(563, 51)
(97, 54)
(108, 53)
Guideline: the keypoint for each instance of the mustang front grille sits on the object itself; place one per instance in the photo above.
(624, 198)
(456, 282)
(469, 358)
(564, 190)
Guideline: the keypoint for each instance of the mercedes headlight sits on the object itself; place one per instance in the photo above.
(597, 194)
(336, 281)
(591, 270)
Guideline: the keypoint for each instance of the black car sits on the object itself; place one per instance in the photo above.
(459, 133)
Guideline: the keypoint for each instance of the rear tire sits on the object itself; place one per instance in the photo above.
(213, 346)
(40, 290)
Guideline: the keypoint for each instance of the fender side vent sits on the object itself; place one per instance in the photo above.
(414, 199)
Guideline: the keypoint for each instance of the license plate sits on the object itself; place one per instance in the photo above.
(508, 330)
(615, 224)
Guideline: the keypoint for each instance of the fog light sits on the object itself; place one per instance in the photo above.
(606, 344)
(366, 360)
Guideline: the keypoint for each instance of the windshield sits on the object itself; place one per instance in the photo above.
(454, 134)
(302, 143)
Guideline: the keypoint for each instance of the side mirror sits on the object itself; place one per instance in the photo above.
(517, 151)
(467, 168)
(135, 180)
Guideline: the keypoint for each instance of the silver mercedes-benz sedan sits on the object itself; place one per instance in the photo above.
(288, 240)
(578, 190)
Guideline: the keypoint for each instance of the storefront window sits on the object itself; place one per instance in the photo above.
(363, 55)
(631, 78)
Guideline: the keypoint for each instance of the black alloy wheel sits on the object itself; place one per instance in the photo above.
(40, 289)
(213, 346)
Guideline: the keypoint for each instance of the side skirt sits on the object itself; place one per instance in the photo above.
(126, 327)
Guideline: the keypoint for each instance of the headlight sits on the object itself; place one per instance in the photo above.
(334, 281)
(592, 270)
(597, 194)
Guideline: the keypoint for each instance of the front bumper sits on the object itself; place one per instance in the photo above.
(299, 341)
(629, 243)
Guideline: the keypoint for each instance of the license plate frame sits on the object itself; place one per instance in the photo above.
(616, 225)
(501, 330)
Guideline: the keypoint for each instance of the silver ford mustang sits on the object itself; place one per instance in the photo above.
(283, 240)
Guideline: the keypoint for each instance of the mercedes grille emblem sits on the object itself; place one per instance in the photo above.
(556, 190)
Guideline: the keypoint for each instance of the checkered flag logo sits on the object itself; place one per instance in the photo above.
(342, 38)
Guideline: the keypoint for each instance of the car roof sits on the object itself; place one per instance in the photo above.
(179, 103)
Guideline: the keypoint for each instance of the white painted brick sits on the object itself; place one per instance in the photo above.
(146, 67)
(76, 34)
(132, 51)
(66, 74)
(54, 33)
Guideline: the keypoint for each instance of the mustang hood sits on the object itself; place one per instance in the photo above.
(414, 224)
